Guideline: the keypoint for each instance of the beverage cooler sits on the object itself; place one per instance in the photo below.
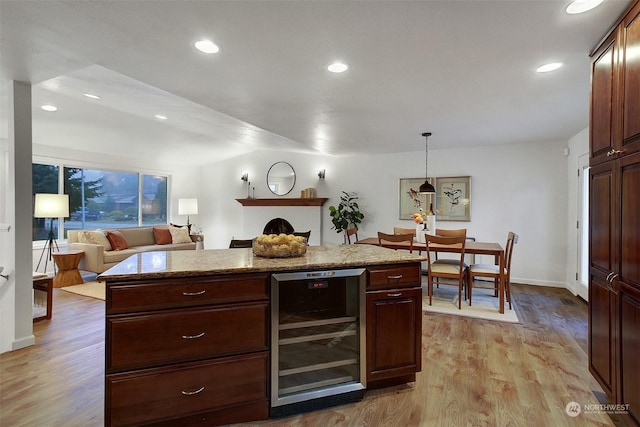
(317, 339)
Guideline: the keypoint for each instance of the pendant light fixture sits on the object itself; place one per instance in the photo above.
(426, 188)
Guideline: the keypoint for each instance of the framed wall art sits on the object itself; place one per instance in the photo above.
(410, 201)
(453, 196)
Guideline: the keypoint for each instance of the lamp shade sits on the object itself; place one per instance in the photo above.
(51, 206)
(187, 206)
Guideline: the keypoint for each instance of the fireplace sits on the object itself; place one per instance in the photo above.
(302, 218)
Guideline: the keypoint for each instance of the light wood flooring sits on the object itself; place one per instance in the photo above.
(474, 372)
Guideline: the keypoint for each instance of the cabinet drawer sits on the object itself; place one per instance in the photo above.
(154, 395)
(124, 297)
(147, 340)
(393, 276)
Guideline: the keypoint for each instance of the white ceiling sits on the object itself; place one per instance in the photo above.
(464, 70)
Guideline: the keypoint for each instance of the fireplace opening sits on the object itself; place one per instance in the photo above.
(278, 226)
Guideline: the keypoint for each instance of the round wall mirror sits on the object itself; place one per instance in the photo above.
(281, 178)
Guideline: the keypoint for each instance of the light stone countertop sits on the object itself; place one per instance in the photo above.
(167, 264)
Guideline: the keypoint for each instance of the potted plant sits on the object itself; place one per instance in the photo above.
(347, 214)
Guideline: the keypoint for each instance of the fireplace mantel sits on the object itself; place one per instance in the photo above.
(283, 201)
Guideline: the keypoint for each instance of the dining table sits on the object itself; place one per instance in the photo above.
(477, 248)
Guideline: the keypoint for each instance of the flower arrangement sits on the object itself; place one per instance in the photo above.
(418, 217)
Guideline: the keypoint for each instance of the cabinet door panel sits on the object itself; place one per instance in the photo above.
(601, 216)
(394, 333)
(631, 92)
(629, 350)
(629, 269)
(601, 330)
(602, 89)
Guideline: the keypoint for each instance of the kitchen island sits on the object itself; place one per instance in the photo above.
(189, 336)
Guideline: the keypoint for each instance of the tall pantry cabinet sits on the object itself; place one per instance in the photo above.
(614, 258)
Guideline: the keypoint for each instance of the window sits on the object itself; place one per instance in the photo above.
(102, 199)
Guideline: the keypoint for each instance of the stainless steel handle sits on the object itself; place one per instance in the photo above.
(397, 294)
(399, 276)
(193, 337)
(609, 276)
(191, 393)
(613, 152)
(192, 294)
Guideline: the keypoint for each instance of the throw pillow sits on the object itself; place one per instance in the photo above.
(180, 235)
(94, 238)
(117, 240)
(162, 236)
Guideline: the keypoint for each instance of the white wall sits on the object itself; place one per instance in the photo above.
(522, 188)
(578, 146)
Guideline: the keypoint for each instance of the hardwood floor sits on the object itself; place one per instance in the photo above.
(475, 372)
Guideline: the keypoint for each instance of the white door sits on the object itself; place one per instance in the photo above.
(582, 287)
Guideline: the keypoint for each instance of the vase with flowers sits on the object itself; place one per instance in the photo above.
(425, 223)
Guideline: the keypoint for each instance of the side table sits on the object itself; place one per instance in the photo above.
(44, 284)
(68, 273)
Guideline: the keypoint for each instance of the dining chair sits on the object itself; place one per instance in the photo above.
(493, 271)
(304, 234)
(412, 231)
(449, 233)
(447, 273)
(385, 239)
(353, 231)
(239, 243)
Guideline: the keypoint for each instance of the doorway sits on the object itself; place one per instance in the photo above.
(582, 285)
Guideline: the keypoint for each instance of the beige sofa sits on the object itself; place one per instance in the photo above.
(139, 239)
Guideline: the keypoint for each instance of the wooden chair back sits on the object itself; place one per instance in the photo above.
(456, 242)
(399, 230)
(385, 239)
(451, 233)
(239, 243)
(304, 234)
(353, 231)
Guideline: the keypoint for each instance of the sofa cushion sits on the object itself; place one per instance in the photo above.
(117, 256)
(179, 235)
(162, 236)
(95, 238)
(117, 240)
(138, 236)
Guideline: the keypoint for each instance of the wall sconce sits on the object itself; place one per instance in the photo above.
(321, 174)
(245, 177)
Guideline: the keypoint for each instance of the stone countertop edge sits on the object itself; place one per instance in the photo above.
(169, 264)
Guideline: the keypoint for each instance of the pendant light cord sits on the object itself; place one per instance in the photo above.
(426, 154)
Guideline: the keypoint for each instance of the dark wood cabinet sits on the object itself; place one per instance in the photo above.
(187, 351)
(394, 325)
(614, 211)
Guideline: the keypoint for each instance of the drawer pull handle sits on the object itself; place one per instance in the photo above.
(397, 294)
(192, 337)
(191, 393)
(192, 294)
(399, 276)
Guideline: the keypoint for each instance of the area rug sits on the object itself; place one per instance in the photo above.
(91, 289)
(485, 305)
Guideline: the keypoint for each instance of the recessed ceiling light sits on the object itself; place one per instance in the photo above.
(207, 46)
(337, 67)
(580, 6)
(48, 107)
(549, 67)
(92, 96)
(161, 117)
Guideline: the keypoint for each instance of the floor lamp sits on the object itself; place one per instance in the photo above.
(188, 207)
(50, 206)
